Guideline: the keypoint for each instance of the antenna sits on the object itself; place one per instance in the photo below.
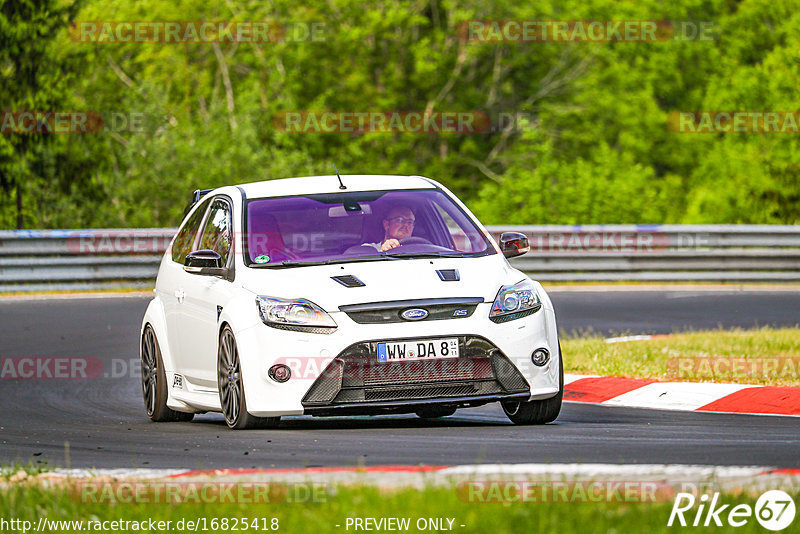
(341, 185)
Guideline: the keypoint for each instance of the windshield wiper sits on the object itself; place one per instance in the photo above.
(292, 263)
(382, 256)
(398, 255)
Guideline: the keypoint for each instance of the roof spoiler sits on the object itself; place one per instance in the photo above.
(196, 196)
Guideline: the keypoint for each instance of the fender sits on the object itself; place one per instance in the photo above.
(241, 315)
(259, 346)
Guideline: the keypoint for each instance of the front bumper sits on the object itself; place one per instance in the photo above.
(355, 382)
(338, 373)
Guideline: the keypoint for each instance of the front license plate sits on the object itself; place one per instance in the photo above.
(424, 349)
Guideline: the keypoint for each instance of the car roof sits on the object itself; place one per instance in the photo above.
(330, 184)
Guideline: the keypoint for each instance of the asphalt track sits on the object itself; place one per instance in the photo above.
(104, 424)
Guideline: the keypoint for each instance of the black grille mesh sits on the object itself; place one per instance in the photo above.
(328, 384)
(421, 371)
(355, 376)
(418, 393)
(507, 374)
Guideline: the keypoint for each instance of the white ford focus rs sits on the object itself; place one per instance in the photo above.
(334, 296)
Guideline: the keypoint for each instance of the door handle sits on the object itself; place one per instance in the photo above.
(180, 295)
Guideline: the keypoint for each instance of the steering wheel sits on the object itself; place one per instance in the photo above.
(414, 240)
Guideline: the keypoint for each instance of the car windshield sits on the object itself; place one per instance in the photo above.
(347, 226)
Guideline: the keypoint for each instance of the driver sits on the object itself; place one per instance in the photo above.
(398, 224)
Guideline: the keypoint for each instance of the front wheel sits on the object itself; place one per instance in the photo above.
(231, 387)
(538, 412)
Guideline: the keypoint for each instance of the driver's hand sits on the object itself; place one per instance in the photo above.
(389, 243)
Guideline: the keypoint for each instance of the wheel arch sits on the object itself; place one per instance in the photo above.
(156, 318)
(222, 324)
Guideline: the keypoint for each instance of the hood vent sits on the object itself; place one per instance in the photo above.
(348, 280)
(448, 275)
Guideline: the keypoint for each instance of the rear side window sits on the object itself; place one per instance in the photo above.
(185, 238)
(217, 232)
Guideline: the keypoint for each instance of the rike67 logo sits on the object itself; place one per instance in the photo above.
(774, 510)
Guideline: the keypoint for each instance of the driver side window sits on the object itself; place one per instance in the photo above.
(217, 231)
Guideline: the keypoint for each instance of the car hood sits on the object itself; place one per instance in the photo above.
(387, 280)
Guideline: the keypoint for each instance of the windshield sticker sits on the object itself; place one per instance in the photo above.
(262, 259)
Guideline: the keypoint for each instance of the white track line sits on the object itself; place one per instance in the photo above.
(688, 396)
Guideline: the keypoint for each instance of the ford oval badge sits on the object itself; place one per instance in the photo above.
(414, 314)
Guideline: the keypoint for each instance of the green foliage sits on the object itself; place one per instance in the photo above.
(38, 74)
(592, 144)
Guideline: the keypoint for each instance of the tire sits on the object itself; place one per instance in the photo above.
(154, 381)
(538, 412)
(231, 387)
(434, 412)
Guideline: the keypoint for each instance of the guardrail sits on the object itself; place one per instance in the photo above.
(42, 260)
(36, 260)
(714, 253)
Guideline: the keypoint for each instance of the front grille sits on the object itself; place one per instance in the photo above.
(390, 312)
(420, 371)
(355, 376)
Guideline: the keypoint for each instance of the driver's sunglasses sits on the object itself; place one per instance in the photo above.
(402, 220)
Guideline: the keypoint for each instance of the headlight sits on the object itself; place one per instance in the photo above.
(294, 314)
(515, 301)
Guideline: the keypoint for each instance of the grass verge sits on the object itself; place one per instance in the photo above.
(17, 471)
(30, 503)
(122, 290)
(766, 356)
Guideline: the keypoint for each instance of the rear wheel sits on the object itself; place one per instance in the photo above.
(434, 412)
(154, 382)
(231, 387)
(538, 412)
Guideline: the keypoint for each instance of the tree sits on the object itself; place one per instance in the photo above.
(38, 75)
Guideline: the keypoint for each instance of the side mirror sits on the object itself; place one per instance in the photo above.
(514, 244)
(204, 262)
